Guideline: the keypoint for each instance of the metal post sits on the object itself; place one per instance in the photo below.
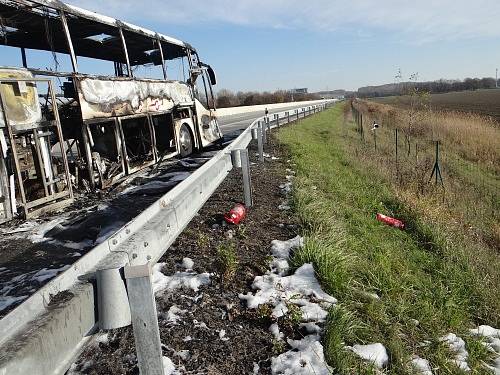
(264, 132)
(288, 115)
(247, 179)
(144, 319)
(278, 120)
(268, 123)
(60, 137)
(297, 111)
(260, 144)
(69, 42)
(125, 52)
(164, 68)
(23, 57)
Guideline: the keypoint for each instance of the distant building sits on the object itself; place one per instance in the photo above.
(298, 91)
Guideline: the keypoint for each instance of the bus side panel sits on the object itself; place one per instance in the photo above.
(106, 97)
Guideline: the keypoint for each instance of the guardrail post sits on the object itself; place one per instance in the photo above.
(278, 120)
(260, 144)
(297, 112)
(264, 131)
(288, 115)
(268, 123)
(240, 159)
(112, 302)
(247, 178)
(144, 319)
(304, 112)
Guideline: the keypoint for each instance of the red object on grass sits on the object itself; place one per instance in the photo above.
(391, 221)
(236, 215)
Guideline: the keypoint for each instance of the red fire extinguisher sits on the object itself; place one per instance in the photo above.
(391, 221)
(236, 215)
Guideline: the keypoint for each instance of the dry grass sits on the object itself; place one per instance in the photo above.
(476, 138)
(469, 161)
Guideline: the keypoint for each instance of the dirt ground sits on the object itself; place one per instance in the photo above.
(216, 306)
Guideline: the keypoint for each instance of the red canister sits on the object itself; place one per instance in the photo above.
(236, 215)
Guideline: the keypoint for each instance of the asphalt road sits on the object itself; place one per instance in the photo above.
(229, 124)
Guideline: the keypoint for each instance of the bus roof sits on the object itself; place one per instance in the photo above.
(35, 24)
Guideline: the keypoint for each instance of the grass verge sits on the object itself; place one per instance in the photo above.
(400, 288)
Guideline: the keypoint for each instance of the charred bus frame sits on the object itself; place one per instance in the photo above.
(106, 127)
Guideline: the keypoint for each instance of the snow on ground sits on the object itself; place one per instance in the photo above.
(188, 279)
(303, 290)
(491, 337)
(169, 367)
(457, 345)
(421, 366)
(306, 357)
(187, 263)
(32, 278)
(373, 353)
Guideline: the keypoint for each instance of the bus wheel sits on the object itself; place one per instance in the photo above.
(185, 141)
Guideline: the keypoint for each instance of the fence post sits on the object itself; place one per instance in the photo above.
(260, 144)
(144, 319)
(436, 169)
(288, 115)
(397, 165)
(297, 112)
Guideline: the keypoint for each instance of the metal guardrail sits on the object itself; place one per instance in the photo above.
(40, 337)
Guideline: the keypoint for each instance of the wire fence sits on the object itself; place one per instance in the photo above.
(430, 164)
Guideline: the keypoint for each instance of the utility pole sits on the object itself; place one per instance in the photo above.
(496, 79)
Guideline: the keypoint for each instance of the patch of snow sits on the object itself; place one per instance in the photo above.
(421, 366)
(284, 206)
(6, 301)
(286, 188)
(256, 369)
(48, 273)
(281, 249)
(198, 324)
(275, 330)
(279, 310)
(373, 353)
(187, 338)
(174, 314)
(189, 280)
(102, 338)
(187, 263)
(491, 337)
(222, 335)
(306, 357)
(457, 345)
(183, 354)
(273, 288)
(310, 327)
(169, 367)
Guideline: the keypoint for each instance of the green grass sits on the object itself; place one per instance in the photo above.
(227, 260)
(427, 284)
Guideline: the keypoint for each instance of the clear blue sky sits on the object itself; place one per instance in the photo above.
(320, 44)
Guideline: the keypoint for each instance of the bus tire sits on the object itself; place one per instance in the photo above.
(185, 141)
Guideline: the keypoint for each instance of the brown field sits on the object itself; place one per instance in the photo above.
(483, 102)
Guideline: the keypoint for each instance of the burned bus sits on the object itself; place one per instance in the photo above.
(68, 129)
